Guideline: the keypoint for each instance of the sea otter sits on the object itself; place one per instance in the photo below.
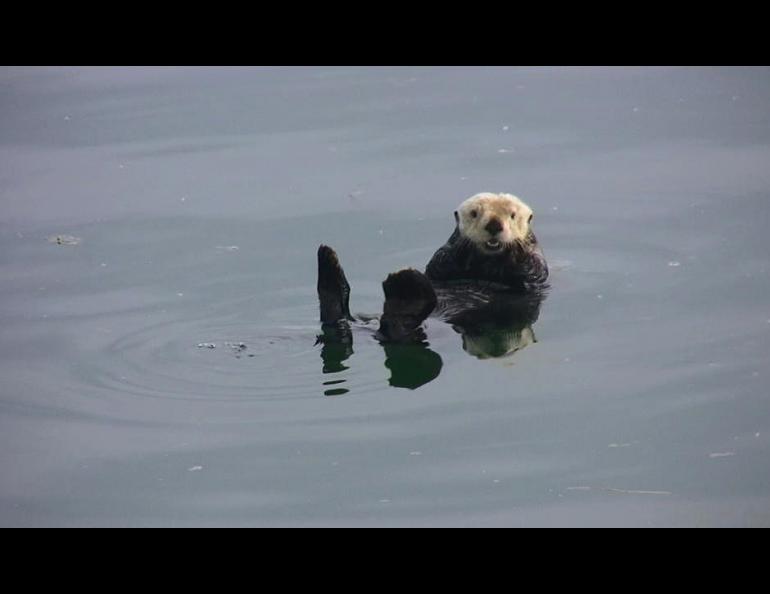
(492, 242)
(488, 278)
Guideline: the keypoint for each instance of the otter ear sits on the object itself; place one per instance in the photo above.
(457, 217)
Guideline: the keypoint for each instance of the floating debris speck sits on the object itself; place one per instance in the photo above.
(636, 491)
(64, 240)
(206, 345)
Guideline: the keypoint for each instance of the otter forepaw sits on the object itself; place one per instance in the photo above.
(409, 299)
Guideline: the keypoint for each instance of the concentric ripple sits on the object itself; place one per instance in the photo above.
(226, 357)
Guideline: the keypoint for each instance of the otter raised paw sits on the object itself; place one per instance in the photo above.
(409, 300)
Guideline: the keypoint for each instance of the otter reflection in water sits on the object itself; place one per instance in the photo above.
(411, 364)
(493, 323)
(488, 281)
(498, 327)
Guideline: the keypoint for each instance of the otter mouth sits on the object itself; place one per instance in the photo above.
(493, 245)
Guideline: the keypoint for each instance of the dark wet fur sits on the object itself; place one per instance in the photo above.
(519, 266)
(468, 304)
(333, 287)
(409, 300)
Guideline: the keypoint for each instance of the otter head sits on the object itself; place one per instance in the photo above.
(494, 222)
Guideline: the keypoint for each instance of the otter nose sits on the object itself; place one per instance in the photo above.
(494, 226)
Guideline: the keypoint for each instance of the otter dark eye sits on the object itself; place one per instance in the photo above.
(474, 214)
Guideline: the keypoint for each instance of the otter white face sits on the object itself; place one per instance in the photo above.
(494, 221)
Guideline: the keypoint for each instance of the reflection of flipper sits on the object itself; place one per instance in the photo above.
(409, 299)
(411, 365)
(333, 287)
(337, 340)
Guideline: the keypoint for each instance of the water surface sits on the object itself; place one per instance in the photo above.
(196, 198)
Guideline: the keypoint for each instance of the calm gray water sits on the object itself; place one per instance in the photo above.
(198, 197)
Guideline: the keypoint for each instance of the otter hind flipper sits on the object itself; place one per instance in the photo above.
(409, 299)
(333, 287)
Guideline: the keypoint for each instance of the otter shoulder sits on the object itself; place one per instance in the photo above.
(444, 265)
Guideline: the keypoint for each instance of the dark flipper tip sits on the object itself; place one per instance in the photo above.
(333, 288)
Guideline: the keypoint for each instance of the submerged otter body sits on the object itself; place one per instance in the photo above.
(487, 281)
